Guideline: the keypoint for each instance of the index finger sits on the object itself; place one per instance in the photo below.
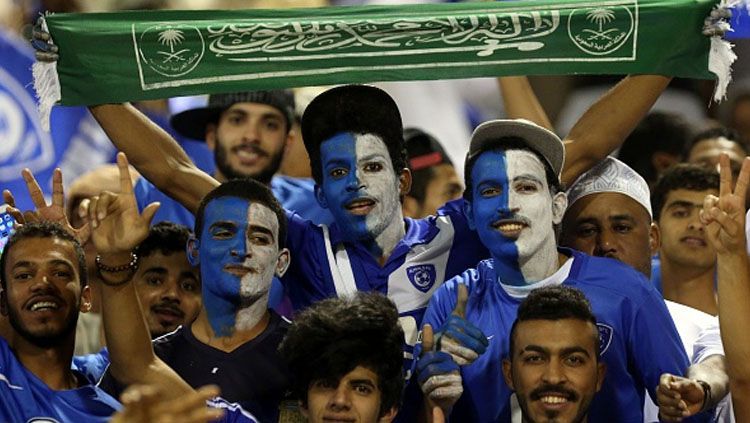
(37, 197)
(58, 198)
(126, 184)
(428, 339)
(461, 300)
(743, 180)
(725, 176)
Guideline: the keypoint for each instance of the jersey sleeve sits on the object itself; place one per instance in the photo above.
(708, 343)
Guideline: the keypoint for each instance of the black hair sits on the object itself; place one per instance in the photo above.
(718, 132)
(165, 237)
(44, 229)
(248, 189)
(354, 109)
(554, 303)
(332, 337)
(510, 143)
(418, 144)
(687, 176)
(658, 131)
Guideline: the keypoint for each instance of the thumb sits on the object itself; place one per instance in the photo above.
(428, 339)
(437, 415)
(461, 300)
(149, 212)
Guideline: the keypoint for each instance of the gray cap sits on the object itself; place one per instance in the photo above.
(539, 139)
(611, 175)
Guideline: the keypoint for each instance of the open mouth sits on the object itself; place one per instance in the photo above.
(237, 269)
(360, 206)
(168, 314)
(694, 241)
(44, 303)
(248, 153)
(510, 228)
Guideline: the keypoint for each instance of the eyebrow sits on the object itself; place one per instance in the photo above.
(54, 262)
(224, 224)
(362, 381)
(261, 229)
(683, 203)
(372, 156)
(573, 350)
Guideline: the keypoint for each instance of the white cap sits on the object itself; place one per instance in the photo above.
(611, 175)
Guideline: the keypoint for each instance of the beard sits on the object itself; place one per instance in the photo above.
(263, 176)
(45, 339)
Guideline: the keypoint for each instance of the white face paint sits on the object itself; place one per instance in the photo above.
(514, 214)
(361, 189)
(262, 252)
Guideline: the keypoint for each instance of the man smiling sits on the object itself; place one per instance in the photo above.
(513, 201)
(553, 365)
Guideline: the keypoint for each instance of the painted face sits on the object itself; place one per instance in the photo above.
(169, 289)
(238, 255)
(360, 186)
(554, 370)
(512, 208)
(355, 398)
(43, 290)
(613, 225)
(248, 141)
(443, 187)
(683, 237)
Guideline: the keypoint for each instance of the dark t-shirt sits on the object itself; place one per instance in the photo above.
(253, 375)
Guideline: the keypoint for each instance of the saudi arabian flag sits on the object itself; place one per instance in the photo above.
(127, 56)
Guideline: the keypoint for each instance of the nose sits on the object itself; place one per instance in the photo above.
(605, 244)
(354, 183)
(553, 373)
(251, 131)
(41, 284)
(340, 399)
(170, 290)
(695, 222)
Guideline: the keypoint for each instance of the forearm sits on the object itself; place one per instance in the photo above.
(520, 102)
(712, 371)
(154, 153)
(606, 124)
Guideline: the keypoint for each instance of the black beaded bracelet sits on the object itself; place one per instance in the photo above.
(706, 394)
(132, 266)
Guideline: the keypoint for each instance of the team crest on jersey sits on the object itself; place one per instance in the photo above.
(605, 337)
(422, 276)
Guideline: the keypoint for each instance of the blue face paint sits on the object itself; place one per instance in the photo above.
(490, 205)
(361, 190)
(222, 243)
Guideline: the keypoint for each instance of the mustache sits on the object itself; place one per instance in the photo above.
(252, 147)
(168, 306)
(547, 389)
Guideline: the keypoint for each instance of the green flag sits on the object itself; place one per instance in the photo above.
(127, 56)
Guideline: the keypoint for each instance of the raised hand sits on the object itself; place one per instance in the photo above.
(678, 397)
(44, 49)
(459, 338)
(117, 227)
(438, 375)
(54, 212)
(145, 404)
(724, 216)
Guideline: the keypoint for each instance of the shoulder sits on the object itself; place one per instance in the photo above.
(612, 276)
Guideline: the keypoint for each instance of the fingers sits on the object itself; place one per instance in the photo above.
(428, 339)
(671, 406)
(461, 300)
(8, 198)
(460, 354)
(443, 387)
(743, 180)
(462, 340)
(434, 363)
(194, 401)
(99, 207)
(11, 202)
(725, 176)
(149, 212)
(437, 415)
(58, 197)
(37, 197)
(126, 184)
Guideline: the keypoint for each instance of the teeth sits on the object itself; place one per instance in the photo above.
(43, 304)
(510, 227)
(246, 154)
(549, 399)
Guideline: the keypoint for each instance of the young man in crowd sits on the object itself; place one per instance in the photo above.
(239, 245)
(345, 355)
(687, 260)
(513, 202)
(609, 215)
(554, 366)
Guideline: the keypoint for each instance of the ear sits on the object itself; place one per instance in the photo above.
(404, 181)
(388, 416)
(192, 249)
(559, 205)
(320, 196)
(282, 262)
(85, 306)
(211, 136)
(410, 207)
(662, 161)
(469, 216)
(654, 238)
(601, 371)
(3, 303)
(507, 374)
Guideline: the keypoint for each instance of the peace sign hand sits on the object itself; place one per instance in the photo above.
(724, 216)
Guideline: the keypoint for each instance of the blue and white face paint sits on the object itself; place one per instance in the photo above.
(239, 255)
(361, 190)
(513, 213)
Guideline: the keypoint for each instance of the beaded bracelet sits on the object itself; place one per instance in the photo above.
(132, 266)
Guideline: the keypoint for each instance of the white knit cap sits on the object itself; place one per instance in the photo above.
(611, 175)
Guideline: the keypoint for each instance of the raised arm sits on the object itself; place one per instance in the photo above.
(724, 218)
(117, 228)
(606, 124)
(154, 153)
(520, 102)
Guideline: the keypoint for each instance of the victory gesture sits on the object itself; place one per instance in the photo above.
(117, 227)
(724, 216)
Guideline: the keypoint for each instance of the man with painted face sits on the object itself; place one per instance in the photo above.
(513, 201)
(240, 230)
(554, 356)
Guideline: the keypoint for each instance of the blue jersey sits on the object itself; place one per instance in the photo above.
(638, 340)
(93, 365)
(294, 194)
(25, 398)
(433, 250)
